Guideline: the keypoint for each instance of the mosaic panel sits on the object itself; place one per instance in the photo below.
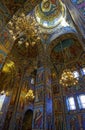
(6, 43)
(39, 95)
(38, 118)
(40, 75)
(80, 5)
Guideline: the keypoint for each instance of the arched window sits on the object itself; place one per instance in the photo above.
(81, 101)
(71, 103)
(83, 71)
(2, 98)
(32, 80)
(27, 120)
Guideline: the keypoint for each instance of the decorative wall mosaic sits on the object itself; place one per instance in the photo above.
(39, 94)
(38, 118)
(40, 75)
(80, 5)
(6, 43)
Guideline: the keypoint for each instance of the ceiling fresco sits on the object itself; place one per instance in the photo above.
(77, 16)
(48, 13)
(22, 52)
(80, 5)
(67, 54)
(9, 7)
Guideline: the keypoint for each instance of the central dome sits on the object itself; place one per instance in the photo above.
(49, 13)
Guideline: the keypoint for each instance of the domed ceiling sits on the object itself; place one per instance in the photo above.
(49, 13)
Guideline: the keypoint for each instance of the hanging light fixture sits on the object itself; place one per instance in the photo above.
(30, 95)
(67, 78)
(22, 24)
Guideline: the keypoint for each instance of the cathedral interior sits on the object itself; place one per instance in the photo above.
(42, 65)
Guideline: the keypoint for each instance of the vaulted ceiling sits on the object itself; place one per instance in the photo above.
(68, 53)
(9, 7)
(25, 55)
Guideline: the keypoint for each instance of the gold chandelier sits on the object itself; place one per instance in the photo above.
(30, 95)
(22, 24)
(67, 78)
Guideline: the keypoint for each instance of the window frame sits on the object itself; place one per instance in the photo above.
(2, 99)
(80, 103)
(69, 106)
(83, 73)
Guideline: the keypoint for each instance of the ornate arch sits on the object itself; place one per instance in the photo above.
(63, 37)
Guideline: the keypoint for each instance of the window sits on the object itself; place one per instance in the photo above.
(81, 101)
(76, 74)
(83, 71)
(2, 98)
(71, 103)
(45, 23)
(32, 80)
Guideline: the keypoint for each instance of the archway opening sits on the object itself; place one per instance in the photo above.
(67, 54)
(27, 120)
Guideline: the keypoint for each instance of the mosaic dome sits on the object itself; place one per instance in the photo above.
(49, 13)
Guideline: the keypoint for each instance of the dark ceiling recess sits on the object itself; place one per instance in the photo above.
(27, 121)
(64, 44)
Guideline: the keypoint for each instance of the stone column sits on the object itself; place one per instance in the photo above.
(43, 108)
(13, 121)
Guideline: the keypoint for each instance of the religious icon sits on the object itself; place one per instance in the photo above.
(39, 94)
(38, 118)
(40, 77)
